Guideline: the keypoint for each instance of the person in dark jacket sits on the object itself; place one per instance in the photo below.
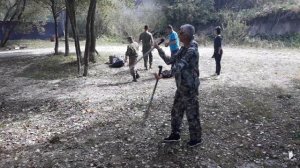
(218, 51)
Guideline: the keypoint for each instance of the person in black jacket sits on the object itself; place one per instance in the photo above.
(218, 52)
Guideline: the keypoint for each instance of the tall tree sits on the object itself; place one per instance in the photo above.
(89, 28)
(67, 47)
(92, 47)
(70, 6)
(55, 7)
(12, 17)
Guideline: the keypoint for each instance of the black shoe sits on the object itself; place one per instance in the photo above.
(137, 75)
(172, 138)
(193, 143)
(134, 80)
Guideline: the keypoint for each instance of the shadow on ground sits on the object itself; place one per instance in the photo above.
(51, 67)
(241, 127)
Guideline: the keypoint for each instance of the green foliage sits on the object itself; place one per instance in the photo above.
(235, 24)
(235, 29)
(117, 19)
(122, 18)
(291, 40)
(198, 12)
(33, 16)
(267, 7)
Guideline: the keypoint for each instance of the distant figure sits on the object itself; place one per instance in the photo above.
(147, 42)
(173, 40)
(132, 53)
(218, 51)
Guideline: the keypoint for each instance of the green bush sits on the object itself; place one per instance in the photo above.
(235, 29)
(199, 12)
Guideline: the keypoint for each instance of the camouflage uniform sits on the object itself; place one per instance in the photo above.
(147, 40)
(186, 72)
(132, 53)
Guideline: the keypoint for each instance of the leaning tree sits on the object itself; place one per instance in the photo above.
(12, 14)
(71, 10)
(90, 36)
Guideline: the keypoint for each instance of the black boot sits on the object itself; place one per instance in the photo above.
(137, 75)
(134, 79)
(193, 143)
(172, 138)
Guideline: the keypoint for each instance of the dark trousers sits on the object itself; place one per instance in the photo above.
(218, 58)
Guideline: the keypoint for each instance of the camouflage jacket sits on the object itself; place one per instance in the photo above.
(147, 40)
(132, 50)
(185, 68)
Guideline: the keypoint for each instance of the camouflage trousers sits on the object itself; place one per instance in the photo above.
(188, 103)
(146, 58)
(132, 61)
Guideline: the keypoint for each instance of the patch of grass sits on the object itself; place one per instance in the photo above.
(272, 42)
(52, 67)
(41, 43)
(296, 83)
(109, 40)
(2, 125)
(59, 66)
(256, 111)
(32, 43)
(103, 57)
(297, 136)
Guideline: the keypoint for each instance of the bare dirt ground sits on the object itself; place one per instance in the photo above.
(250, 116)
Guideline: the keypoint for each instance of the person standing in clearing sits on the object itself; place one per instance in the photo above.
(173, 40)
(147, 42)
(132, 53)
(218, 51)
(186, 72)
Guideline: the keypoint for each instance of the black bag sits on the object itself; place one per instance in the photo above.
(116, 62)
(166, 74)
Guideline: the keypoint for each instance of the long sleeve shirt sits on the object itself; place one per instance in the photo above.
(185, 68)
(217, 44)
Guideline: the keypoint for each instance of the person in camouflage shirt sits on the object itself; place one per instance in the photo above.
(147, 42)
(132, 53)
(186, 72)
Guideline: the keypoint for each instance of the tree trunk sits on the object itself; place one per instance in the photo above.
(8, 30)
(93, 36)
(55, 26)
(70, 5)
(88, 36)
(67, 48)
